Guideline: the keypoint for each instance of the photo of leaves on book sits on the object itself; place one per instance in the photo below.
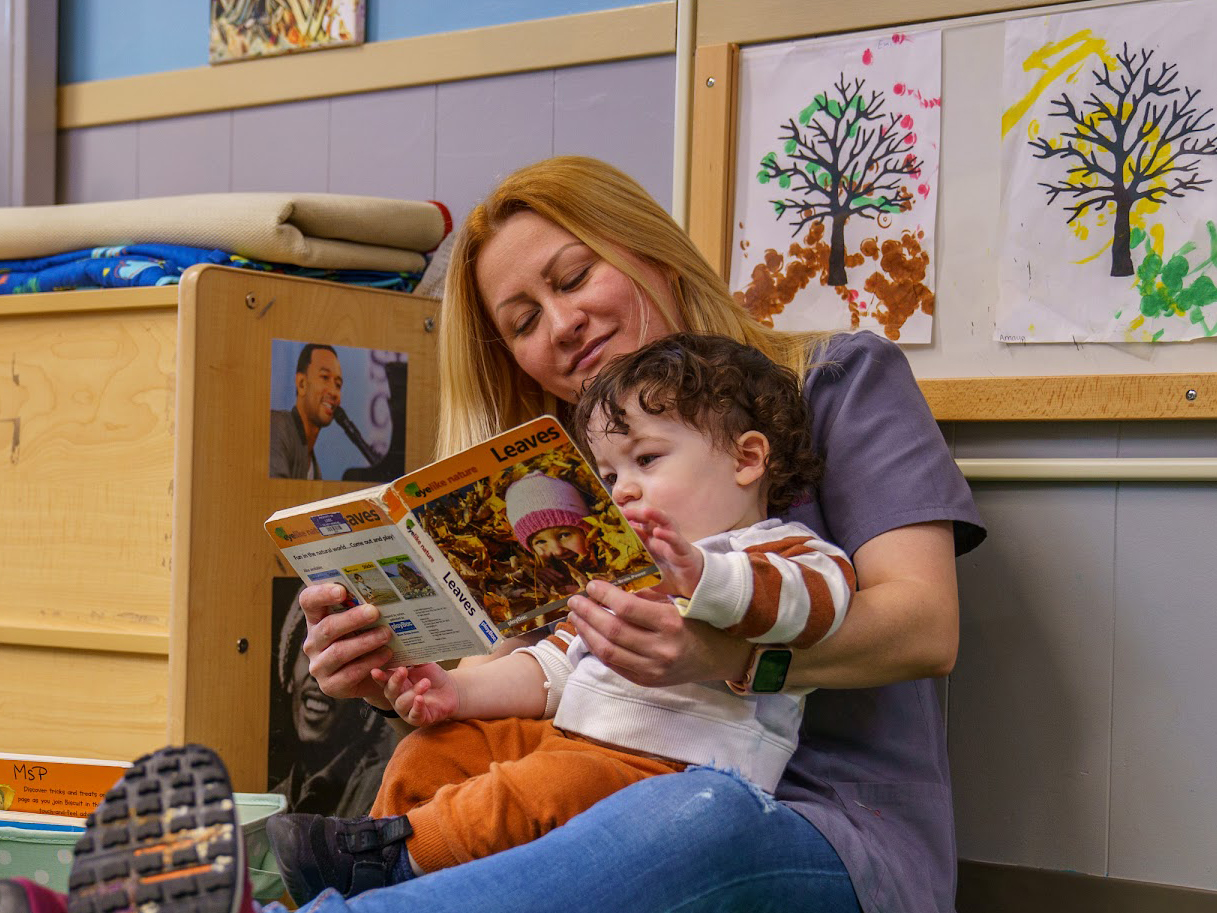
(488, 543)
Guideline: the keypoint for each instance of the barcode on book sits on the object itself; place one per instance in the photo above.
(331, 524)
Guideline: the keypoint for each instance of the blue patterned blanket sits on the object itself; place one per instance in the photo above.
(160, 264)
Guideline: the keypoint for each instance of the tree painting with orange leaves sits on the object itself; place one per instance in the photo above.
(845, 157)
(836, 190)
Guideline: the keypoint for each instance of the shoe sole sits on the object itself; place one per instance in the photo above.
(165, 838)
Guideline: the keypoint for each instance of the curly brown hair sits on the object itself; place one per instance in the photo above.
(719, 387)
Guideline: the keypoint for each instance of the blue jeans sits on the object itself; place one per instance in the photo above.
(703, 840)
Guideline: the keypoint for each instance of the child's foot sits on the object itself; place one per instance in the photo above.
(20, 895)
(166, 837)
(351, 855)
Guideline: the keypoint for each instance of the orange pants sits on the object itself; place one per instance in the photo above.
(475, 787)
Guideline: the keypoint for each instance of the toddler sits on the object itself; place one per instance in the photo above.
(698, 438)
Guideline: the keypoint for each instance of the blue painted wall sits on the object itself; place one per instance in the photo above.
(106, 39)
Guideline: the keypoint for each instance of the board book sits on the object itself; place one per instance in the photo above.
(439, 550)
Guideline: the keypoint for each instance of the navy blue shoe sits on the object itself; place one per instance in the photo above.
(166, 835)
(351, 855)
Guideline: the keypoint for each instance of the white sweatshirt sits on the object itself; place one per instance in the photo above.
(774, 582)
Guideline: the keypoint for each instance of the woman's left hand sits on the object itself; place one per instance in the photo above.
(642, 637)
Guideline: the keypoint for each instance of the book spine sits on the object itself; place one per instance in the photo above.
(448, 581)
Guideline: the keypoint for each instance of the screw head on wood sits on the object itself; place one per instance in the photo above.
(1191, 395)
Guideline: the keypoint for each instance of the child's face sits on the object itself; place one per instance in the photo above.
(559, 542)
(665, 464)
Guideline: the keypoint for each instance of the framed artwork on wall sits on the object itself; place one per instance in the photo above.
(243, 29)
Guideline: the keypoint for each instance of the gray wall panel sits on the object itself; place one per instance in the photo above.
(487, 128)
(383, 144)
(1164, 731)
(622, 113)
(1168, 439)
(186, 155)
(1030, 697)
(1038, 440)
(281, 147)
(98, 163)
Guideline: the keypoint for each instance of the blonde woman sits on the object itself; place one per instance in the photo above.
(567, 264)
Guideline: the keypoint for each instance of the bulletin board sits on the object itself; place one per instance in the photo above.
(965, 374)
(224, 563)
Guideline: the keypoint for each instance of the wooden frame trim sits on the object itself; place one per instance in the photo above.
(645, 30)
(723, 25)
(712, 153)
(758, 21)
(1084, 397)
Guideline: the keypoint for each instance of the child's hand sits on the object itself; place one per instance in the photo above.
(680, 561)
(422, 695)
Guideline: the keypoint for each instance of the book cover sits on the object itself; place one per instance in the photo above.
(485, 544)
(53, 788)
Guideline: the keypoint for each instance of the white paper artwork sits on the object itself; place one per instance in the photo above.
(836, 183)
(1109, 155)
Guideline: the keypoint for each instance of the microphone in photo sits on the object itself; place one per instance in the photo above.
(345, 423)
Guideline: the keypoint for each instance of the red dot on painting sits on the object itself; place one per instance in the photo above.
(898, 88)
(924, 190)
(898, 38)
(867, 56)
(910, 138)
(906, 121)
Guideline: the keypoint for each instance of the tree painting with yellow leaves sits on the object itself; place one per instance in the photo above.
(1109, 120)
(241, 29)
(1137, 135)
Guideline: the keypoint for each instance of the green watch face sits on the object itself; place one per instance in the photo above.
(771, 671)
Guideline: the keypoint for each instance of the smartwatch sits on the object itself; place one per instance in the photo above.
(766, 673)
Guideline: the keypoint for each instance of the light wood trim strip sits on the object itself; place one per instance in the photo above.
(1100, 469)
(755, 21)
(617, 34)
(84, 300)
(712, 165)
(183, 498)
(1090, 397)
(75, 639)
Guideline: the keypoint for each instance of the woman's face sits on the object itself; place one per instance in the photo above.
(562, 310)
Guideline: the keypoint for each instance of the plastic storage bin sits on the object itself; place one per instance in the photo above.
(45, 855)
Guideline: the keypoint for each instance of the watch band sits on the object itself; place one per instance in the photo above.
(760, 653)
(744, 685)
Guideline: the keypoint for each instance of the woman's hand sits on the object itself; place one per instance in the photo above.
(643, 637)
(422, 694)
(344, 645)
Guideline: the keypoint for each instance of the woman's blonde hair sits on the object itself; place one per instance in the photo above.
(482, 390)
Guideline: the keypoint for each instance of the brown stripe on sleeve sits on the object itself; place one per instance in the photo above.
(762, 611)
(847, 570)
(822, 611)
(563, 627)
